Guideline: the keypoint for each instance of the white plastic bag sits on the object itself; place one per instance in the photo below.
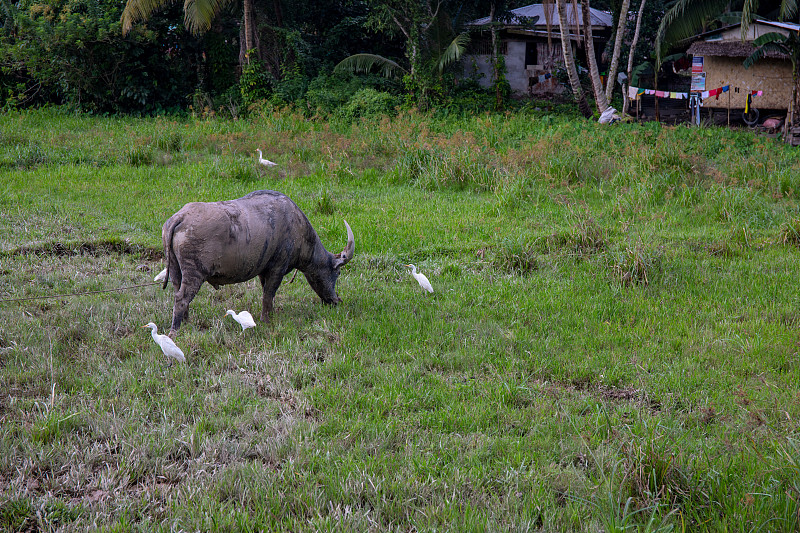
(609, 116)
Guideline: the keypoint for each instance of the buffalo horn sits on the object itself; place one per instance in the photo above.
(349, 250)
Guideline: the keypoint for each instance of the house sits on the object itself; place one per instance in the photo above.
(717, 58)
(528, 52)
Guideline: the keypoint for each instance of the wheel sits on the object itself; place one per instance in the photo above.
(750, 117)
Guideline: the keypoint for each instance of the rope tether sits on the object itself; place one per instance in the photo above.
(78, 293)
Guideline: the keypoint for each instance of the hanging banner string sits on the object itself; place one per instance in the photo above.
(636, 92)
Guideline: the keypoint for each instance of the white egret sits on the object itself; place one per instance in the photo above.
(265, 162)
(161, 276)
(420, 277)
(167, 345)
(244, 319)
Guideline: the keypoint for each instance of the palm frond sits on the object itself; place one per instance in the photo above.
(359, 63)
(769, 42)
(788, 9)
(757, 54)
(771, 37)
(748, 14)
(138, 10)
(199, 14)
(638, 71)
(453, 52)
(685, 19)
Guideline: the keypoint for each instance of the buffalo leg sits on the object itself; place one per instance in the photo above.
(270, 286)
(183, 297)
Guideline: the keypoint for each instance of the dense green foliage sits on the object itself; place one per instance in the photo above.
(72, 52)
(611, 344)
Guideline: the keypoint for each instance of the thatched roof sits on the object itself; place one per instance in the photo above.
(728, 49)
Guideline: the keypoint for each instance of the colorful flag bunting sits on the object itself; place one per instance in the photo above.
(635, 92)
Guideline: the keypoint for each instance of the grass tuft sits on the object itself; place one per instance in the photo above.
(325, 204)
(789, 233)
(31, 156)
(17, 515)
(515, 256)
(584, 238)
(170, 142)
(140, 156)
(636, 264)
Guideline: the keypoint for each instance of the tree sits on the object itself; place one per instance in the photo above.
(430, 46)
(594, 73)
(71, 52)
(622, 24)
(685, 19)
(198, 17)
(631, 54)
(412, 18)
(569, 59)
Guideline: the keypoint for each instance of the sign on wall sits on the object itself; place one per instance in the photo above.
(698, 82)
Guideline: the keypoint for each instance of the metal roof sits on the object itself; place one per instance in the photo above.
(598, 18)
(785, 25)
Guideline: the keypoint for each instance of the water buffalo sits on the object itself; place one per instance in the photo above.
(262, 234)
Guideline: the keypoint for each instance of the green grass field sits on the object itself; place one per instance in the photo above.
(612, 342)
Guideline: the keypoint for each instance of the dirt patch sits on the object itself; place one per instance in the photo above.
(94, 249)
(604, 393)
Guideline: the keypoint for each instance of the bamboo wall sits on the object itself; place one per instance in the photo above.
(773, 76)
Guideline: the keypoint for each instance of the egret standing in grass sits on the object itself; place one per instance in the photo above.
(265, 162)
(161, 276)
(244, 319)
(420, 277)
(167, 345)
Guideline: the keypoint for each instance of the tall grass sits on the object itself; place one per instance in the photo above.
(611, 342)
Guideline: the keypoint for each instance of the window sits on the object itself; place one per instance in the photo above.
(484, 48)
(531, 54)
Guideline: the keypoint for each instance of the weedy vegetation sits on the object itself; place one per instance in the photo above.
(612, 344)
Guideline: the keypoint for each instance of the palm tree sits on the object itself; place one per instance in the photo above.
(429, 42)
(569, 59)
(599, 93)
(439, 59)
(784, 44)
(198, 16)
(612, 69)
(629, 72)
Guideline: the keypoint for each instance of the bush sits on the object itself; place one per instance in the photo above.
(368, 102)
(469, 97)
(327, 93)
(255, 83)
